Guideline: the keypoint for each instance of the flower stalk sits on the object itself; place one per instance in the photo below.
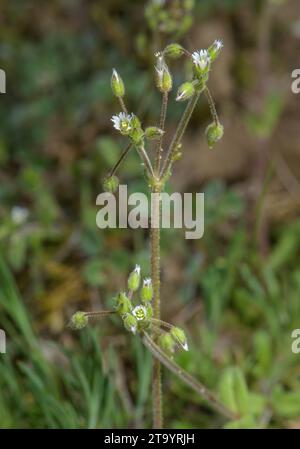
(187, 378)
(160, 337)
(155, 274)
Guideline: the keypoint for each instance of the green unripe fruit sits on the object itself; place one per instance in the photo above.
(185, 91)
(134, 279)
(130, 323)
(123, 304)
(174, 51)
(117, 84)
(167, 82)
(179, 337)
(153, 133)
(164, 80)
(79, 320)
(111, 184)
(167, 344)
(149, 311)
(147, 291)
(214, 132)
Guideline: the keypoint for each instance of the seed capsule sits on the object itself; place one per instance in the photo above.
(185, 91)
(179, 337)
(79, 320)
(147, 291)
(117, 84)
(130, 323)
(153, 133)
(134, 279)
(123, 304)
(167, 343)
(174, 51)
(214, 132)
(111, 184)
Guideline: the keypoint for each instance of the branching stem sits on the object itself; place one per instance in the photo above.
(187, 378)
(179, 133)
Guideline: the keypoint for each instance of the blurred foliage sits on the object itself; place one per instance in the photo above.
(56, 146)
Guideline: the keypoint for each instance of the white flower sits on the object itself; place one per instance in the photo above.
(19, 214)
(185, 346)
(218, 44)
(137, 269)
(122, 122)
(147, 282)
(116, 75)
(140, 312)
(160, 66)
(201, 59)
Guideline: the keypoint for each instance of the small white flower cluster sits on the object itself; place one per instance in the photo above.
(202, 58)
(122, 121)
(140, 312)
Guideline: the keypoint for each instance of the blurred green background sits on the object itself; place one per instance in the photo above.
(236, 291)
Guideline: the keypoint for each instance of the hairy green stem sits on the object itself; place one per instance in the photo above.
(159, 148)
(122, 104)
(145, 158)
(100, 313)
(187, 378)
(121, 159)
(212, 106)
(155, 275)
(179, 133)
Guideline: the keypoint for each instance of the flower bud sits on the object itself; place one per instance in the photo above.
(117, 84)
(123, 304)
(167, 343)
(140, 313)
(130, 323)
(111, 184)
(185, 91)
(164, 80)
(137, 133)
(215, 49)
(179, 337)
(79, 320)
(147, 291)
(173, 51)
(149, 310)
(214, 132)
(134, 279)
(153, 133)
